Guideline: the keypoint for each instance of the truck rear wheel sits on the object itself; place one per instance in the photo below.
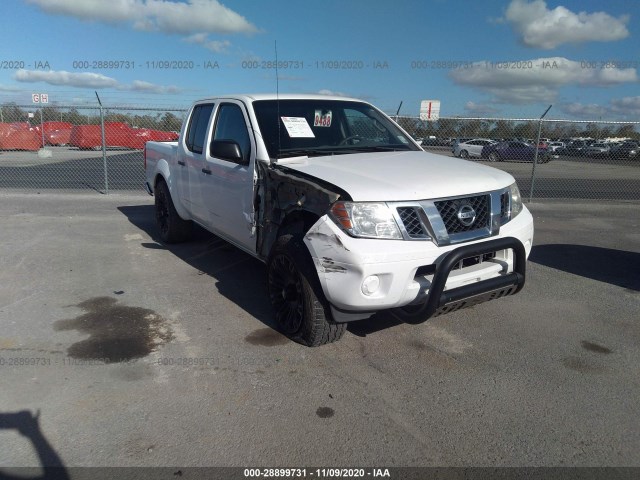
(173, 229)
(301, 311)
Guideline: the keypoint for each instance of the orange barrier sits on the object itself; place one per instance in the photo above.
(57, 133)
(117, 134)
(19, 136)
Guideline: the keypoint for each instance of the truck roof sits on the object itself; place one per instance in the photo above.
(250, 97)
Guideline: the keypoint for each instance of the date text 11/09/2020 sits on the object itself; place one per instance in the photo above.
(316, 472)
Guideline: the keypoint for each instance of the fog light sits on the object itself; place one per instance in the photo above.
(370, 285)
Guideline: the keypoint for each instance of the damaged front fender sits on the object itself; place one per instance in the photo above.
(288, 201)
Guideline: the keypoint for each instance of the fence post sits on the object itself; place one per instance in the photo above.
(104, 148)
(42, 127)
(535, 158)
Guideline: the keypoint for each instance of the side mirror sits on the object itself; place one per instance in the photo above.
(227, 150)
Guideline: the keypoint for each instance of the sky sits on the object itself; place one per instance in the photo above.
(490, 58)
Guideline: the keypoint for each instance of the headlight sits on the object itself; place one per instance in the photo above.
(516, 200)
(369, 220)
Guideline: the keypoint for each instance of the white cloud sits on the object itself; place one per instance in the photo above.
(479, 108)
(620, 108)
(89, 80)
(112, 11)
(581, 110)
(331, 93)
(52, 77)
(540, 27)
(217, 46)
(167, 16)
(627, 106)
(537, 80)
(198, 38)
(146, 87)
(9, 88)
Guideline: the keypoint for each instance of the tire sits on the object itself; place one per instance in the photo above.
(172, 228)
(493, 157)
(300, 308)
(464, 154)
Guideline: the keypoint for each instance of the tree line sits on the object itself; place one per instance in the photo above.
(167, 121)
(480, 128)
(442, 128)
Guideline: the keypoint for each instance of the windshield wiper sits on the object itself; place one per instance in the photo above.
(309, 152)
(378, 148)
(345, 150)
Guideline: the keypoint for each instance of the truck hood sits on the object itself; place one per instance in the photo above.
(401, 176)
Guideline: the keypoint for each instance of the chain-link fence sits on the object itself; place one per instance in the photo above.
(61, 147)
(574, 159)
(78, 147)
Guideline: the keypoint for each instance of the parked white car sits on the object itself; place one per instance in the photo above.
(471, 148)
(553, 146)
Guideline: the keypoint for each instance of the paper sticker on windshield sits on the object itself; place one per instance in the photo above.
(322, 118)
(297, 127)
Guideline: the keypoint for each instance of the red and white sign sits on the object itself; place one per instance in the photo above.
(430, 110)
(40, 97)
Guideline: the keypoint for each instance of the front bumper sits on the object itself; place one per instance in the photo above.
(419, 278)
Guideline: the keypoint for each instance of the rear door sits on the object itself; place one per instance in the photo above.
(192, 158)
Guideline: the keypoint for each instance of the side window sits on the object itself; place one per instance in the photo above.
(230, 125)
(197, 131)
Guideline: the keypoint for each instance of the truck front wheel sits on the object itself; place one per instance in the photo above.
(297, 299)
(173, 229)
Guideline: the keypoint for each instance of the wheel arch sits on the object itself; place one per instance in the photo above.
(298, 222)
(163, 174)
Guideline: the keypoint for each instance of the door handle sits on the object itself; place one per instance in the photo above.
(207, 171)
(180, 162)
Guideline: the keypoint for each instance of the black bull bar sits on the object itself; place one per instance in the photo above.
(439, 301)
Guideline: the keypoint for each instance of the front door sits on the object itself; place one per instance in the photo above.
(228, 185)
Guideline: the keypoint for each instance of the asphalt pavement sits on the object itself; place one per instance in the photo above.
(132, 353)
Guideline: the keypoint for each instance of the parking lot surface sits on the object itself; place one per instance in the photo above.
(69, 168)
(134, 353)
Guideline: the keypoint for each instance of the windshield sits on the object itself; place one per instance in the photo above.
(326, 127)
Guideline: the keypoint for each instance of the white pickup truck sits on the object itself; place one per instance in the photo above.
(350, 215)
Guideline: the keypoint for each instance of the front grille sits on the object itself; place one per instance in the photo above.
(449, 209)
(411, 221)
